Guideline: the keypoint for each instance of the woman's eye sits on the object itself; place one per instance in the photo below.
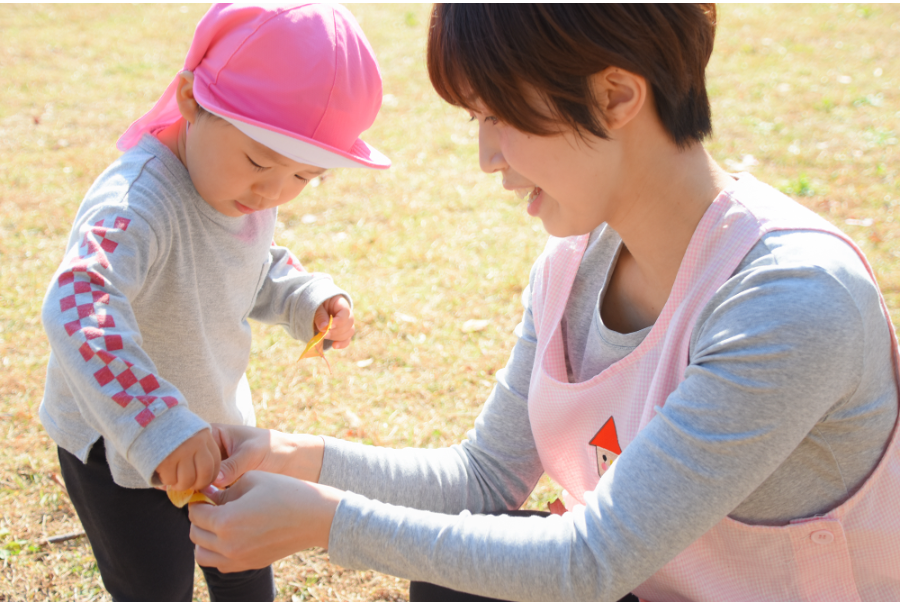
(488, 118)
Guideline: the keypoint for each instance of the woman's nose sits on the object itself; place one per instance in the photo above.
(491, 159)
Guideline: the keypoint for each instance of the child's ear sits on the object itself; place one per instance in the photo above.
(184, 96)
(620, 95)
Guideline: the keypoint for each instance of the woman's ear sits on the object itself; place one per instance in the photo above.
(184, 97)
(620, 95)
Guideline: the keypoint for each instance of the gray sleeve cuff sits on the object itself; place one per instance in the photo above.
(160, 438)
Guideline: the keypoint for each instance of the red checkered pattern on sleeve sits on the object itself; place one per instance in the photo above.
(86, 320)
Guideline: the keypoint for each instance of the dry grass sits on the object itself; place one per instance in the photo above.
(810, 92)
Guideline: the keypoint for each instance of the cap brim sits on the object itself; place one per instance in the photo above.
(306, 150)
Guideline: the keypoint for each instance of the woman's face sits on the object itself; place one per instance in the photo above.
(565, 180)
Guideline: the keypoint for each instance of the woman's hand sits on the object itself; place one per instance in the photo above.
(260, 519)
(246, 448)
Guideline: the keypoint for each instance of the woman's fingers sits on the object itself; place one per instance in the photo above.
(201, 516)
(246, 450)
(264, 517)
(206, 557)
(228, 472)
(242, 460)
(209, 549)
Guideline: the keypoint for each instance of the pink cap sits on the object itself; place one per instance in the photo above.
(299, 79)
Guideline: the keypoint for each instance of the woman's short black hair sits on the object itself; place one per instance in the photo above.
(493, 53)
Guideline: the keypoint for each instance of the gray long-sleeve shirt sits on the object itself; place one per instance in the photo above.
(787, 405)
(147, 314)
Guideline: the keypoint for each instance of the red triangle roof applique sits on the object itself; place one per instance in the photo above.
(606, 437)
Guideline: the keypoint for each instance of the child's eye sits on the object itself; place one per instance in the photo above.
(301, 178)
(256, 166)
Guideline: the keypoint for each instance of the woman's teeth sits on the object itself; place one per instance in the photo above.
(528, 194)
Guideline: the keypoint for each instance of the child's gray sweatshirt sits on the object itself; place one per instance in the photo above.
(147, 315)
(787, 405)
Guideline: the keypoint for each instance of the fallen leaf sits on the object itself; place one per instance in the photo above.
(556, 507)
(182, 498)
(314, 347)
(475, 325)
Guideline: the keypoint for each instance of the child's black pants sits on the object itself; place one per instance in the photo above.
(141, 543)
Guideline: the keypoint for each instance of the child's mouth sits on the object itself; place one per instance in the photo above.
(244, 208)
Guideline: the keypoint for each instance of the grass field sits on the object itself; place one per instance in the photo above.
(806, 97)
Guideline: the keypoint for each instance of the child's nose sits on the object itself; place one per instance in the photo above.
(268, 188)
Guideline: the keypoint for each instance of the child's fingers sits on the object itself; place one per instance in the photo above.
(206, 468)
(337, 305)
(187, 473)
(166, 475)
(320, 318)
(341, 331)
(342, 323)
(338, 308)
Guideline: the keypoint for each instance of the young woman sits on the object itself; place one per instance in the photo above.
(707, 368)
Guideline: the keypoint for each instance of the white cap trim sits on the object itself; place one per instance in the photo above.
(298, 150)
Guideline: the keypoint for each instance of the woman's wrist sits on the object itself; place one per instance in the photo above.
(330, 498)
(301, 456)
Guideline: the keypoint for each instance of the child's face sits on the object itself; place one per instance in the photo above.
(559, 176)
(235, 174)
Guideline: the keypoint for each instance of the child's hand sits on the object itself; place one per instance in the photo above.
(342, 321)
(193, 465)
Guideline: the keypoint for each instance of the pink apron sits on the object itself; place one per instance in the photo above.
(851, 553)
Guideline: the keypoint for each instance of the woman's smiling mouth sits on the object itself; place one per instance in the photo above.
(531, 195)
(527, 193)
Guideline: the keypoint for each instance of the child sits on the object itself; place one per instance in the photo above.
(171, 252)
(706, 367)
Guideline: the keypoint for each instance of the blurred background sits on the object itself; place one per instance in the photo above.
(435, 253)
